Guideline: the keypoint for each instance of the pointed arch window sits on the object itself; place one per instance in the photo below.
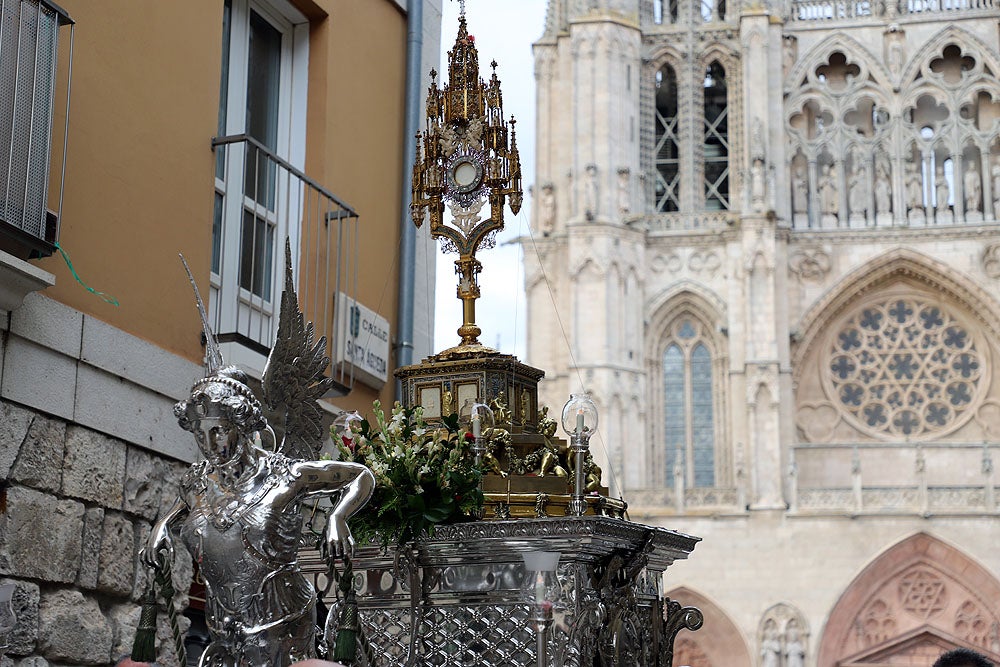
(716, 138)
(689, 404)
(667, 141)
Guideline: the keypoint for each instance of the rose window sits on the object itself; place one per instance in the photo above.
(906, 367)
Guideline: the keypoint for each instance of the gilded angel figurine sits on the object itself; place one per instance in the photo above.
(239, 511)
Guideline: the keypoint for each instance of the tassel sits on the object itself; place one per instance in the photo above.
(346, 646)
(144, 645)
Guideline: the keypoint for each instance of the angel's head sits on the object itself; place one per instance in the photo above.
(221, 412)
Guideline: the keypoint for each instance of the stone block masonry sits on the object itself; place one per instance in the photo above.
(78, 505)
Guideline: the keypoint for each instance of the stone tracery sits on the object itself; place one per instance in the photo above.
(938, 135)
(902, 365)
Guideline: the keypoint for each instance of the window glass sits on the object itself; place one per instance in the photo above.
(689, 409)
(674, 413)
(702, 422)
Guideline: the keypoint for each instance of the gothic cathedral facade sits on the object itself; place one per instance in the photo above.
(766, 238)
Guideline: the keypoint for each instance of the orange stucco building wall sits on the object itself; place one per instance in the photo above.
(139, 173)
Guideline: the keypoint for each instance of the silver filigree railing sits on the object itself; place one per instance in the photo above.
(455, 599)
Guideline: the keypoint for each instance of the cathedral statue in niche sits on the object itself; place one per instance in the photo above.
(894, 57)
(973, 188)
(624, 200)
(770, 646)
(883, 190)
(758, 184)
(789, 53)
(795, 652)
(547, 209)
(591, 192)
(828, 194)
(800, 190)
(914, 189)
(857, 193)
(942, 193)
(995, 174)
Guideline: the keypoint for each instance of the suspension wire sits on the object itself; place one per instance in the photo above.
(562, 329)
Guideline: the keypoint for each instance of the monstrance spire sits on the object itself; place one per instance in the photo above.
(466, 157)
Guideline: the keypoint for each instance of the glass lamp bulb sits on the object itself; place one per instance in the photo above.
(579, 415)
(476, 417)
(540, 585)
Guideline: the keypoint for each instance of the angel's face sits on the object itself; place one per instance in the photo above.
(218, 438)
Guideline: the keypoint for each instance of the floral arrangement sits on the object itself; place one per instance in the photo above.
(424, 476)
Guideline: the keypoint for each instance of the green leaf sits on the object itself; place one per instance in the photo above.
(451, 422)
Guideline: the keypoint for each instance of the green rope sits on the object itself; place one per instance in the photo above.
(164, 582)
(107, 298)
(345, 648)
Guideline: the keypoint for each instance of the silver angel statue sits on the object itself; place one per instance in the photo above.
(239, 511)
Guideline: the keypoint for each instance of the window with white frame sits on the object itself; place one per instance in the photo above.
(262, 130)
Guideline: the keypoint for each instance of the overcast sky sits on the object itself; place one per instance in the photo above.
(504, 31)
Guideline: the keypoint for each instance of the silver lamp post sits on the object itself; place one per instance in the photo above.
(579, 420)
(478, 418)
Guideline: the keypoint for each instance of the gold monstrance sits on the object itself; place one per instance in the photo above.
(467, 156)
(464, 159)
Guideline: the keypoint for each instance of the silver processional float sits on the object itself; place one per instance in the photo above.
(486, 539)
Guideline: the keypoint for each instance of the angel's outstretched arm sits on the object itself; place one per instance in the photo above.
(353, 481)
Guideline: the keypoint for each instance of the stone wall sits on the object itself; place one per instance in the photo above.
(79, 505)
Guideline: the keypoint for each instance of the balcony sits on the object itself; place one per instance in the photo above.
(706, 221)
(29, 60)
(260, 200)
(893, 478)
(838, 10)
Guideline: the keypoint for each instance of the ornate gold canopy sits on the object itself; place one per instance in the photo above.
(467, 156)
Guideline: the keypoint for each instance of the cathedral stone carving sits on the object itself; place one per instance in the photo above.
(809, 264)
(783, 637)
(770, 212)
(800, 190)
(883, 193)
(624, 191)
(991, 260)
(942, 193)
(828, 193)
(547, 209)
(995, 182)
(973, 188)
(591, 193)
(857, 195)
(905, 366)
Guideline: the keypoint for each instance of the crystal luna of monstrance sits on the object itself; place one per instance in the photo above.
(467, 156)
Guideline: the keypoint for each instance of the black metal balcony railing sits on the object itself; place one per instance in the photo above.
(260, 199)
(29, 45)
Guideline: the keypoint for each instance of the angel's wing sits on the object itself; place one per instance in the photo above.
(293, 377)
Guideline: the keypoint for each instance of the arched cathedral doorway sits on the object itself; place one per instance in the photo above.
(917, 600)
(722, 646)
